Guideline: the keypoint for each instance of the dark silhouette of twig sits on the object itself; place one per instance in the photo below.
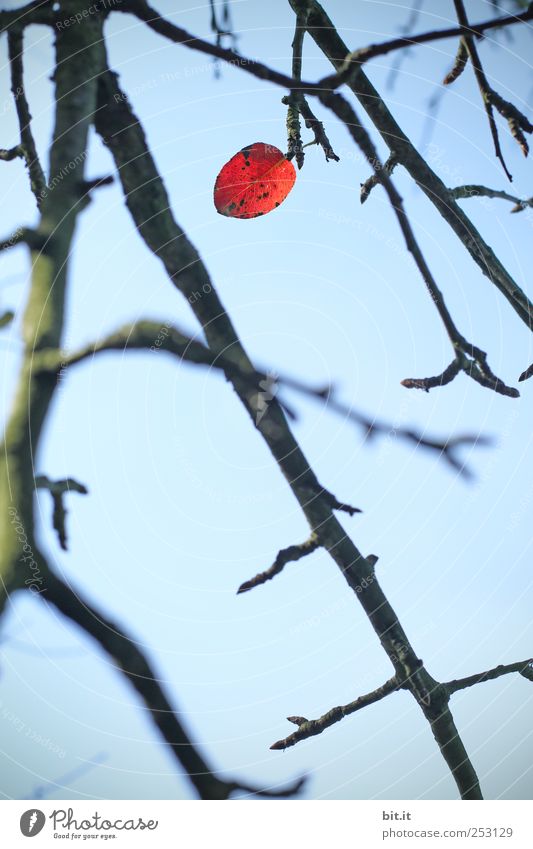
(142, 185)
(473, 362)
(286, 555)
(57, 490)
(141, 336)
(524, 667)
(294, 138)
(27, 143)
(475, 190)
(459, 64)
(323, 31)
(518, 123)
(344, 111)
(373, 180)
(132, 663)
(311, 727)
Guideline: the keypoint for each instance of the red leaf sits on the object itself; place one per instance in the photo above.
(255, 181)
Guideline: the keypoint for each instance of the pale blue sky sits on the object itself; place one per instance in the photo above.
(185, 502)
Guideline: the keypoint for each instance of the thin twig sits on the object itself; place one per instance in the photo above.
(459, 64)
(474, 190)
(516, 120)
(471, 360)
(142, 335)
(526, 374)
(286, 555)
(312, 123)
(57, 490)
(12, 241)
(294, 137)
(311, 727)
(364, 54)
(323, 31)
(143, 188)
(27, 143)
(373, 180)
(7, 155)
(524, 667)
(132, 663)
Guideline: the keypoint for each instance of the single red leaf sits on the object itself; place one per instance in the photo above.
(254, 181)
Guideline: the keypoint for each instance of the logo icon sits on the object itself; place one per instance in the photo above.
(32, 822)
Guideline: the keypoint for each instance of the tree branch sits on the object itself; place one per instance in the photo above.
(133, 665)
(144, 190)
(57, 490)
(346, 114)
(323, 31)
(517, 121)
(474, 190)
(286, 555)
(294, 138)
(311, 727)
(27, 143)
(461, 58)
(524, 667)
(473, 362)
(373, 180)
(148, 335)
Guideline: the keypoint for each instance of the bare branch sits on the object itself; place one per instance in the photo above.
(294, 138)
(526, 374)
(57, 490)
(459, 64)
(151, 335)
(16, 152)
(143, 188)
(134, 666)
(6, 318)
(12, 241)
(311, 727)
(475, 190)
(312, 123)
(524, 667)
(373, 180)
(517, 121)
(36, 12)
(27, 144)
(323, 31)
(473, 362)
(364, 54)
(286, 555)
(471, 359)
